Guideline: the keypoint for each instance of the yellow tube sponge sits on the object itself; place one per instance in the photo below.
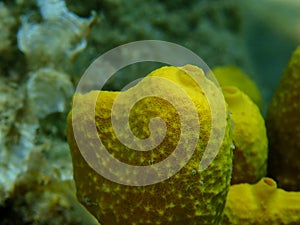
(233, 76)
(260, 204)
(283, 124)
(249, 137)
(118, 196)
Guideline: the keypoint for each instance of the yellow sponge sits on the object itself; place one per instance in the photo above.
(283, 123)
(233, 76)
(192, 195)
(260, 204)
(249, 137)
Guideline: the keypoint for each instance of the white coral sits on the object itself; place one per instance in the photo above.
(61, 35)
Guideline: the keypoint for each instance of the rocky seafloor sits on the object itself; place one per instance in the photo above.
(45, 46)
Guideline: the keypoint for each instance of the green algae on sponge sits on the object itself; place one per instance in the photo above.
(283, 124)
(261, 203)
(233, 76)
(191, 196)
(249, 137)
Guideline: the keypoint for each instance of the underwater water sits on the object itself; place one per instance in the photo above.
(46, 47)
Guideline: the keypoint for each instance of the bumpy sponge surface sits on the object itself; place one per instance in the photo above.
(249, 137)
(192, 196)
(260, 204)
(283, 124)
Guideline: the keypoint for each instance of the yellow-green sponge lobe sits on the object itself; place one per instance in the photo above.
(191, 196)
(260, 204)
(249, 137)
(233, 76)
(283, 123)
